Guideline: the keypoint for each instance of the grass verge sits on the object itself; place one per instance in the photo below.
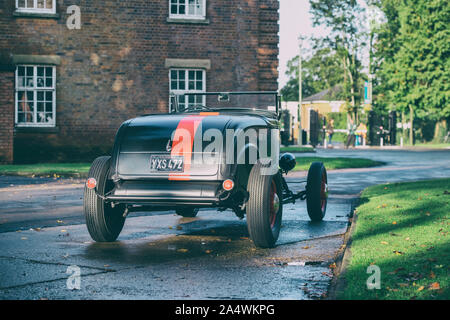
(294, 149)
(432, 145)
(47, 169)
(303, 163)
(402, 229)
(81, 169)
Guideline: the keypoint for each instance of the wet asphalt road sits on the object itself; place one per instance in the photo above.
(163, 256)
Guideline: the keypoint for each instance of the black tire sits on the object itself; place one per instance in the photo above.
(103, 222)
(187, 212)
(263, 218)
(317, 192)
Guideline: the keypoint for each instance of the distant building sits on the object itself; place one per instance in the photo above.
(64, 92)
(318, 102)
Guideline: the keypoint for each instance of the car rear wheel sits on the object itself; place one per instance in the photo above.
(317, 191)
(103, 221)
(264, 207)
(187, 212)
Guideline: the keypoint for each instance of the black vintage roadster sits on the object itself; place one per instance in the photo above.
(205, 153)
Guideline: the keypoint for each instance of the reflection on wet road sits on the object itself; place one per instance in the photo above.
(163, 256)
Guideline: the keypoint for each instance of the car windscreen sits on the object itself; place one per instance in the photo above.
(220, 101)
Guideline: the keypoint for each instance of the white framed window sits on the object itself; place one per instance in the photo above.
(35, 96)
(188, 81)
(187, 9)
(36, 6)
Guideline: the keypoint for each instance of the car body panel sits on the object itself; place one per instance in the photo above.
(154, 136)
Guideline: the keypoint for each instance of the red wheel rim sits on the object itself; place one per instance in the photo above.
(274, 204)
(323, 192)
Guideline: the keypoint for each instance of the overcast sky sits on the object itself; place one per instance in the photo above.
(295, 19)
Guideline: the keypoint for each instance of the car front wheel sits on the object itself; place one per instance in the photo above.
(264, 207)
(317, 191)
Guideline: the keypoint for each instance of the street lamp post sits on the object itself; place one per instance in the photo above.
(300, 43)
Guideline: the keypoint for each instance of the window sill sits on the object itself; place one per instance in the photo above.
(187, 21)
(45, 15)
(30, 129)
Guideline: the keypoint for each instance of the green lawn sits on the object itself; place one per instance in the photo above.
(81, 169)
(47, 169)
(432, 145)
(295, 149)
(303, 163)
(402, 229)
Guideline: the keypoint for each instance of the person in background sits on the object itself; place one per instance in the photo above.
(351, 135)
(362, 133)
(330, 130)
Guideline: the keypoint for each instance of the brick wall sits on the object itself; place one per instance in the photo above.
(6, 116)
(113, 68)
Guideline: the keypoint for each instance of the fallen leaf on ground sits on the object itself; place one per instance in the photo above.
(384, 242)
(182, 250)
(395, 222)
(434, 286)
(305, 247)
(420, 288)
(208, 251)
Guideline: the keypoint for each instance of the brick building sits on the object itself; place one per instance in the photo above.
(64, 91)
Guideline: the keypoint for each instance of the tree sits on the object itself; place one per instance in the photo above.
(320, 72)
(412, 54)
(347, 35)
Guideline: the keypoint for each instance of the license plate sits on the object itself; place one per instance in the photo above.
(163, 163)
